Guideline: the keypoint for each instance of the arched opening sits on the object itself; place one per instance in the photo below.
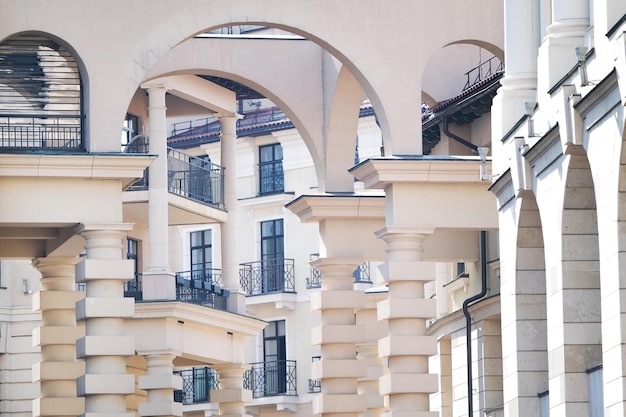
(41, 95)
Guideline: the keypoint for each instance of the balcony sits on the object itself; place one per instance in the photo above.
(41, 132)
(272, 378)
(197, 385)
(267, 276)
(361, 274)
(201, 287)
(195, 189)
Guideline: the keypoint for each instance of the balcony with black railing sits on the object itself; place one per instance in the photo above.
(267, 276)
(201, 287)
(188, 176)
(197, 385)
(272, 378)
(41, 132)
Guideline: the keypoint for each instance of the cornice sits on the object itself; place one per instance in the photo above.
(313, 208)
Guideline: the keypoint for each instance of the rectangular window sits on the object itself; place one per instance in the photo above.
(133, 287)
(596, 392)
(202, 255)
(273, 255)
(271, 177)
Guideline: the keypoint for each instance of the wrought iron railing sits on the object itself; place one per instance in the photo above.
(267, 379)
(267, 276)
(205, 293)
(197, 385)
(361, 274)
(482, 71)
(210, 275)
(271, 177)
(195, 178)
(41, 132)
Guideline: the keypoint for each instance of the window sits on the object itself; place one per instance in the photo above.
(130, 128)
(275, 358)
(596, 392)
(133, 287)
(271, 178)
(273, 256)
(202, 255)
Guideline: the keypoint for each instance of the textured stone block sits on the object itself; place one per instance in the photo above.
(339, 403)
(337, 299)
(90, 307)
(147, 382)
(105, 346)
(105, 384)
(406, 308)
(111, 269)
(400, 345)
(349, 333)
(347, 368)
(409, 383)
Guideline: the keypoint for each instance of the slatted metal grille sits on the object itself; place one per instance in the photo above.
(40, 95)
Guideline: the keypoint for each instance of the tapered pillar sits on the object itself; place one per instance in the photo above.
(338, 368)
(104, 309)
(160, 383)
(406, 347)
(232, 396)
(230, 242)
(158, 278)
(58, 369)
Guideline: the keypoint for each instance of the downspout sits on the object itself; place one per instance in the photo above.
(459, 139)
(468, 320)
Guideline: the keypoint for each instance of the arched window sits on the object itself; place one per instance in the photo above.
(40, 95)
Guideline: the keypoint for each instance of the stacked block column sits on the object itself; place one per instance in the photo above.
(160, 383)
(338, 369)
(232, 396)
(58, 370)
(104, 347)
(408, 383)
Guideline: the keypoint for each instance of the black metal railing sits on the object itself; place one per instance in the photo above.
(210, 275)
(361, 274)
(41, 132)
(197, 385)
(195, 178)
(482, 71)
(204, 293)
(267, 276)
(267, 379)
(271, 177)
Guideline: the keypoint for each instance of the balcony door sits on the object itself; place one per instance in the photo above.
(275, 358)
(273, 256)
(202, 255)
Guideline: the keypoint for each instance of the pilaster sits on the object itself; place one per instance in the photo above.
(160, 383)
(408, 383)
(58, 370)
(105, 346)
(338, 368)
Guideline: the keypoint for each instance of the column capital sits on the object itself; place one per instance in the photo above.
(103, 227)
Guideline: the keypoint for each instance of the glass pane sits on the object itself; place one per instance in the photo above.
(269, 331)
(278, 152)
(266, 154)
(281, 328)
(267, 229)
(196, 239)
(208, 256)
(279, 228)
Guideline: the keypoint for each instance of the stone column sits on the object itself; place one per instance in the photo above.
(368, 352)
(230, 263)
(104, 309)
(338, 369)
(570, 22)
(160, 383)
(231, 396)
(158, 278)
(519, 85)
(58, 370)
(406, 347)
